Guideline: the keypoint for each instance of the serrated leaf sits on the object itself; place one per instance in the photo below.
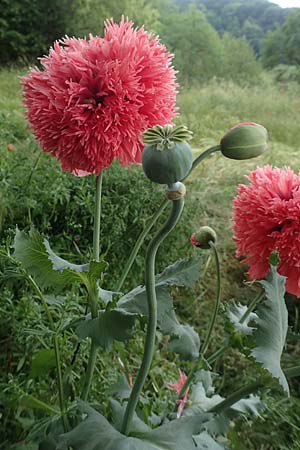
(205, 442)
(199, 401)
(183, 338)
(59, 264)
(272, 326)
(252, 405)
(31, 251)
(107, 296)
(235, 314)
(48, 269)
(42, 361)
(183, 272)
(96, 433)
(115, 324)
(118, 411)
(136, 301)
(120, 389)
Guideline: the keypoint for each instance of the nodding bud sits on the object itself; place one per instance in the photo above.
(176, 191)
(203, 237)
(244, 141)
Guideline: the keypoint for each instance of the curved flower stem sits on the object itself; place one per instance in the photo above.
(155, 217)
(177, 207)
(196, 364)
(93, 295)
(218, 300)
(56, 352)
(203, 155)
(139, 243)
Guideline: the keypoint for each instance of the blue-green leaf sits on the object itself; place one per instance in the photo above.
(205, 442)
(96, 433)
(183, 338)
(114, 324)
(272, 326)
(235, 313)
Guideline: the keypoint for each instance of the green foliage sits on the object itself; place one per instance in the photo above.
(195, 43)
(29, 27)
(242, 18)
(239, 63)
(281, 46)
(171, 436)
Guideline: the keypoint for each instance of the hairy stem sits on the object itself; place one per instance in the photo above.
(177, 207)
(93, 296)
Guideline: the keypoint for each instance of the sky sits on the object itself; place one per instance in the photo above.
(287, 3)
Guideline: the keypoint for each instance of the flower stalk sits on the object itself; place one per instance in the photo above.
(93, 295)
(177, 207)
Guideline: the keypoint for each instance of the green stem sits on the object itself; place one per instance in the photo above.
(218, 300)
(155, 217)
(292, 372)
(196, 364)
(97, 217)
(27, 184)
(252, 306)
(41, 404)
(56, 352)
(93, 295)
(139, 243)
(177, 207)
(236, 396)
(250, 389)
(203, 155)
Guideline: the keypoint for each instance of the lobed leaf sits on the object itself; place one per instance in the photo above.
(272, 327)
(235, 314)
(111, 325)
(96, 433)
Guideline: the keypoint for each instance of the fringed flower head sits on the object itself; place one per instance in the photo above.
(94, 98)
(266, 219)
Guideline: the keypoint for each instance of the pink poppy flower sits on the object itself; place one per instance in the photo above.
(93, 98)
(177, 386)
(266, 218)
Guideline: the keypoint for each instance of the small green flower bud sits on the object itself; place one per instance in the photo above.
(203, 237)
(245, 140)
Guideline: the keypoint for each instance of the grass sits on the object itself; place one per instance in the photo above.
(208, 111)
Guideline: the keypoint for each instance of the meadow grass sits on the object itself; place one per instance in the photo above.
(208, 111)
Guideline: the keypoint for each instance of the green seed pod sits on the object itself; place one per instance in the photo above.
(244, 141)
(167, 157)
(203, 236)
